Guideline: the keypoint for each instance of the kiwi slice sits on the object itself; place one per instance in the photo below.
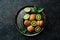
(37, 29)
(38, 16)
(33, 23)
(27, 9)
(26, 16)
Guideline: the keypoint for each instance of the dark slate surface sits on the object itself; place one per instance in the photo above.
(9, 8)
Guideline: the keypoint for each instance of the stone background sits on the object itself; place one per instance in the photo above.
(9, 8)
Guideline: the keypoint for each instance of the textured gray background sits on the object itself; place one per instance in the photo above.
(9, 8)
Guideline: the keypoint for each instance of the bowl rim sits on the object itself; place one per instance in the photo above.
(17, 25)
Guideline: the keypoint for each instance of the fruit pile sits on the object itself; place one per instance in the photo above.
(33, 21)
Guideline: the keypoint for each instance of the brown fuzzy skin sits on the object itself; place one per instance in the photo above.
(27, 22)
(30, 28)
(40, 23)
(32, 17)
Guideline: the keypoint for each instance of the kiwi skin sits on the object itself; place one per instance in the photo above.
(32, 17)
(27, 22)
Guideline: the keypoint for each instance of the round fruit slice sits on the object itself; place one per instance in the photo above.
(33, 23)
(27, 9)
(38, 16)
(37, 29)
(26, 16)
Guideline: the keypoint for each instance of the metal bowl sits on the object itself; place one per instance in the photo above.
(19, 20)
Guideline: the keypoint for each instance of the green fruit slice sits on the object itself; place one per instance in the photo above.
(26, 16)
(38, 16)
(27, 9)
(33, 23)
(37, 29)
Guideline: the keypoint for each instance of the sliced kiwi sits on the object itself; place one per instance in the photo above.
(26, 16)
(37, 29)
(38, 16)
(33, 23)
(27, 9)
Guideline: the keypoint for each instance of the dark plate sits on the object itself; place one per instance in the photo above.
(19, 20)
